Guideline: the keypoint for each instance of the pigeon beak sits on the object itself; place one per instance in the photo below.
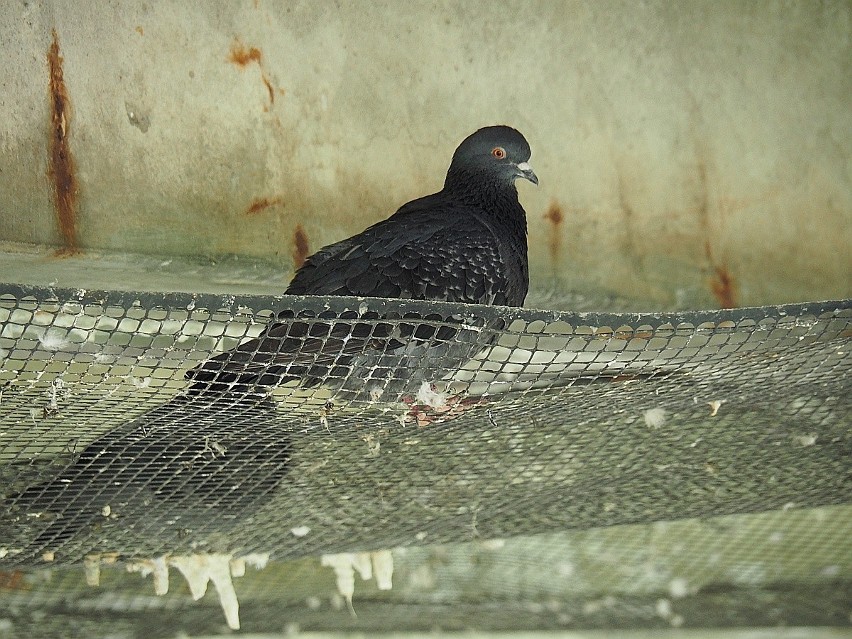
(525, 171)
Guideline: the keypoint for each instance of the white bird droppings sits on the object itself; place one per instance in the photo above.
(379, 563)
(654, 417)
(429, 396)
(806, 440)
(715, 405)
(201, 569)
(92, 567)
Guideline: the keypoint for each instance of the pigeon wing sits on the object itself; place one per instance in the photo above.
(427, 250)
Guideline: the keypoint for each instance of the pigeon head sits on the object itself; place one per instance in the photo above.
(494, 154)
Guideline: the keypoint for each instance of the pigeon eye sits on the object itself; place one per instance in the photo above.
(498, 152)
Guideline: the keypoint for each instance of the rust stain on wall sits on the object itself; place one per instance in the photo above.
(301, 249)
(722, 283)
(708, 250)
(261, 203)
(555, 216)
(269, 88)
(242, 56)
(61, 163)
(723, 287)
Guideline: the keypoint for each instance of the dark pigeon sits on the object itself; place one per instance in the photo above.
(219, 451)
(465, 243)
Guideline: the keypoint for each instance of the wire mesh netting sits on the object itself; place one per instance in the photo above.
(500, 468)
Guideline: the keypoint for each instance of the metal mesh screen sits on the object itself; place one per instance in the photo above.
(529, 469)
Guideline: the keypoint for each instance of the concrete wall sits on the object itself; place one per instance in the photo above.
(690, 153)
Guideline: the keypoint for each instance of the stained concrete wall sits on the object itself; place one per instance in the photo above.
(689, 153)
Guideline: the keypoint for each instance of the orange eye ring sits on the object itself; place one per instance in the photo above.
(498, 152)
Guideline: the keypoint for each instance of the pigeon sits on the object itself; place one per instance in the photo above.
(466, 243)
(219, 448)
